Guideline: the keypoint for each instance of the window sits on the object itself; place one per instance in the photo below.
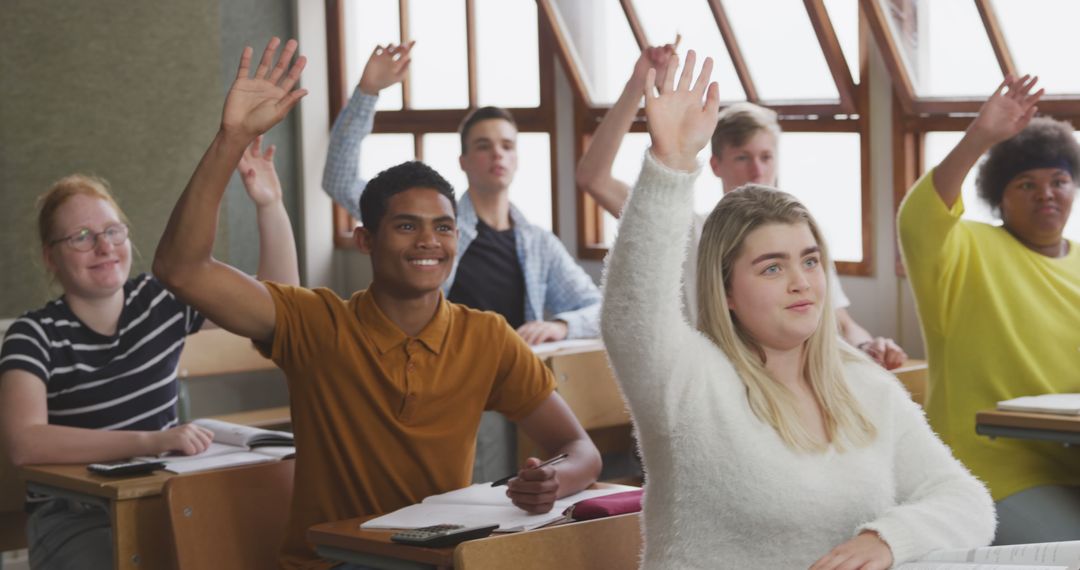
(939, 88)
(465, 57)
(822, 110)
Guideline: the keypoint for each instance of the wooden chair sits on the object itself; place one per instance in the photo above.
(230, 518)
(588, 385)
(218, 352)
(612, 543)
(12, 505)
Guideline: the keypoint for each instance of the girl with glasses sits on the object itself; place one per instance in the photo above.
(91, 376)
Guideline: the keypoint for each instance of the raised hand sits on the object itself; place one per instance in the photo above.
(680, 124)
(256, 169)
(653, 57)
(386, 66)
(255, 104)
(1007, 111)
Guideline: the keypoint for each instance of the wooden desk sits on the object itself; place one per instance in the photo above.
(139, 516)
(611, 543)
(1022, 425)
(914, 375)
(584, 379)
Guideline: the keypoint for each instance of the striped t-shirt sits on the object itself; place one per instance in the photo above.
(124, 381)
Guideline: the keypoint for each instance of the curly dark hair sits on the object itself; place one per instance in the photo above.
(1045, 141)
(395, 180)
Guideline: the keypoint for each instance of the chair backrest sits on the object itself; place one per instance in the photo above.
(613, 543)
(12, 500)
(915, 377)
(230, 518)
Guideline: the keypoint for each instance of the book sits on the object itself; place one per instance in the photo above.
(1067, 404)
(481, 504)
(546, 349)
(1035, 556)
(233, 445)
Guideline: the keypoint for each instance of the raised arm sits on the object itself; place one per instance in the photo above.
(341, 174)
(277, 245)
(642, 323)
(1004, 114)
(184, 260)
(594, 170)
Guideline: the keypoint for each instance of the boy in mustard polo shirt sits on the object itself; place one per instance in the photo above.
(386, 388)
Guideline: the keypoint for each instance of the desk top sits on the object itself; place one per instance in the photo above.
(1027, 420)
(76, 478)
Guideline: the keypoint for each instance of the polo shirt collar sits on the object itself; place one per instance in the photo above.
(387, 336)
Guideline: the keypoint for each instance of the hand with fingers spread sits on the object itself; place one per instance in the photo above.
(536, 332)
(256, 169)
(680, 122)
(1007, 111)
(864, 552)
(534, 489)
(386, 66)
(255, 104)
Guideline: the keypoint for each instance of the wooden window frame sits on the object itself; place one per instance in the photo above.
(913, 117)
(419, 122)
(848, 114)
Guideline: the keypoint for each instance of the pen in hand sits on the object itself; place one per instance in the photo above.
(552, 461)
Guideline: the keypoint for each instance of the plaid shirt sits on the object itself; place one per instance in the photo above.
(556, 287)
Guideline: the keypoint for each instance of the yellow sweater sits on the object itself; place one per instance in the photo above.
(999, 321)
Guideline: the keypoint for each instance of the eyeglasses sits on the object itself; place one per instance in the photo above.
(85, 239)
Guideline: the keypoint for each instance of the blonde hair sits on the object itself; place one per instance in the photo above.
(735, 216)
(61, 191)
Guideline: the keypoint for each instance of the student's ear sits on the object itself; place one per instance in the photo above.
(714, 163)
(47, 258)
(461, 161)
(364, 239)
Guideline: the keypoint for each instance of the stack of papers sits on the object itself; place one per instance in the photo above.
(1066, 404)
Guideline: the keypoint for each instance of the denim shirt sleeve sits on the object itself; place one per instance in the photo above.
(341, 175)
(569, 294)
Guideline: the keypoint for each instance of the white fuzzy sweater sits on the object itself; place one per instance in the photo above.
(723, 490)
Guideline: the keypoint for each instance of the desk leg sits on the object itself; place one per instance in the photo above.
(141, 534)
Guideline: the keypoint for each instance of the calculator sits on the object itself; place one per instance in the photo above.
(442, 534)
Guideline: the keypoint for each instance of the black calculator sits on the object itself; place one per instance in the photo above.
(125, 468)
(442, 534)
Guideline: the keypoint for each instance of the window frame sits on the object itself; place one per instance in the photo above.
(914, 116)
(418, 122)
(849, 114)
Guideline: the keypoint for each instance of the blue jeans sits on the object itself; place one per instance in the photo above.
(1047, 513)
(69, 535)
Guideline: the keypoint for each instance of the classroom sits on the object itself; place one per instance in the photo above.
(300, 238)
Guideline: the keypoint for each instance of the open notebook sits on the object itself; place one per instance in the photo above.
(481, 504)
(233, 445)
(1040, 556)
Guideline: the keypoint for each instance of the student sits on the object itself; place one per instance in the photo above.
(767, 443)
(386, 388)
(743, 151)
(505, 264)
(999, 305)
(91, 376)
